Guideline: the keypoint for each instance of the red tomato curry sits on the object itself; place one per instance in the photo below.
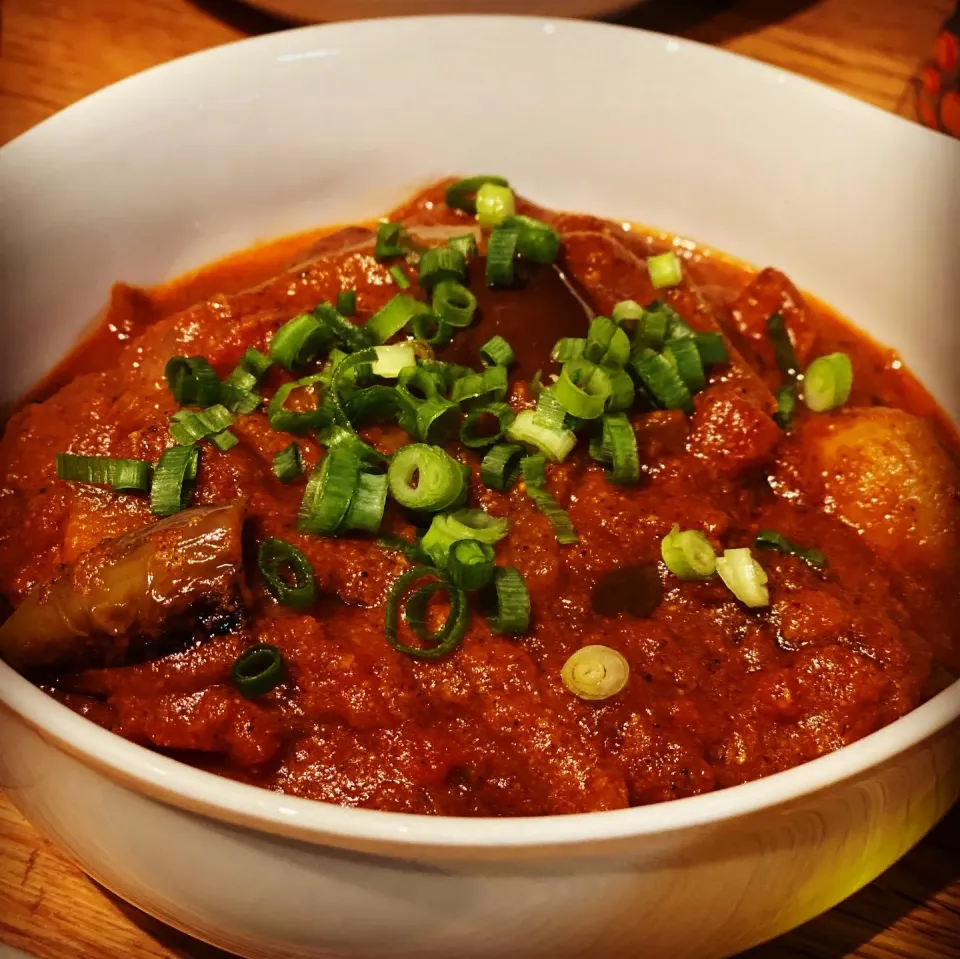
(138, 622)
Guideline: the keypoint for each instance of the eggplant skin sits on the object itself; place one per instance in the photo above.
(136, 589)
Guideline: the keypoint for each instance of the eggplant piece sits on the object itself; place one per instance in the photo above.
(180, 574)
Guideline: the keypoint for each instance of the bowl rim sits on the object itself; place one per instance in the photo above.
(220, 798)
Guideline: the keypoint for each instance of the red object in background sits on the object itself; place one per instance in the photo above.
(937, 86)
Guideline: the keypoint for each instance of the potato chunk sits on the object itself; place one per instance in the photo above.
(884, 472)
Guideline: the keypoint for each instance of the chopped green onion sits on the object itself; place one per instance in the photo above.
(606, 343)
(329, 492)
(712, 349)
(462, 194)
(827, 382)
(496, 352)
(124, 475)
(396, 544)
(501, 466)
(771, 539)
(347, 302)
(536, 385)
(550, 412)
(288, 464)
(744, 577)
(188, 428)
(568, 348)
(251, 369)
(192, 381)
(688, 554)
(663, 381)
(258, 670)
(536, 241)
(786, 405)
(509, 602)
(352, 365)
(535, 481)
(494, 204)
(430, 328)
(414, 611)
(470, 564)
(285, 420)
(173, 480)
(287, 574)
(389, 240)
(238, 400)
(479, 389)
(399, 277)
(392, 359)
(627, 311)
(665, 270)
(425, 478)
(349, 335)
(554, 443)
(583, 389)
(299, 341)
(393, 317)
(465, 245)
(471, 434)
(618, 447)
(224, 440)
(376, 404)
(454, 303)
(416, 384)
(368, 503)
(652, 328)
(622, 391)
(441, 263)
(782, 346)
(339, 436)
(595, 672)
(449, 528)
(684, 357)
(501, 249)
(436, 420)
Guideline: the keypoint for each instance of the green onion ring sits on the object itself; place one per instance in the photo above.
(280, 562)
(258, 670)
(444, 640)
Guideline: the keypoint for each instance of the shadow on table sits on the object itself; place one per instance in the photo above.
(241, 17)
(909, 884)
(709, 21)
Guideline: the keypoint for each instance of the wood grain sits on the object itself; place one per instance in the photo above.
(55, 52)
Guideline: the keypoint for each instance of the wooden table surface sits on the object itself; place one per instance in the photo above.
(56, 51)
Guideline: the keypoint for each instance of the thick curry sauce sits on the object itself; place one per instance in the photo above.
(719, 694)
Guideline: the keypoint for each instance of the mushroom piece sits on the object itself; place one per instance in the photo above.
(172, 577)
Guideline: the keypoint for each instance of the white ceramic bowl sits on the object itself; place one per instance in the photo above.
(202, 156)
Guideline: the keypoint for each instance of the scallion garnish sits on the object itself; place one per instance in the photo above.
(425, 478)
(391, 360)
(470, 564)
(454, 303)
(367, 504)
(501, 249)
(123, 475)
(786, 405)
(192, 381)
(684, 356)
(432, 329)
(618, 448)
(299, 423)
(224, 440)
(535, 481)
(462, 195)
(393, 317)
(595, 672)
(474, 436)
(413, 609)
(509, 600)
(827, 382)
(389, 237)
(622, 391)
(258, 670)
(711, 347)
(287, 574)
(665, 270)
(553, 443)
(494, 204)
(496, 352)
(347, 302)
(399, 277)
(288, 464)
(465, 245)
(479, 389)
(771, 539)
(536, 241)
(782, 346)
(568, 348)
(329, 492)
(662, 381)
(248, 373)
(744, 577)
(583, 389)
(688, 554)
(173, 480)
(448, 528)
(441, 263)
(298, 342)
(501, 466)
(189, 428)
(627, 311)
